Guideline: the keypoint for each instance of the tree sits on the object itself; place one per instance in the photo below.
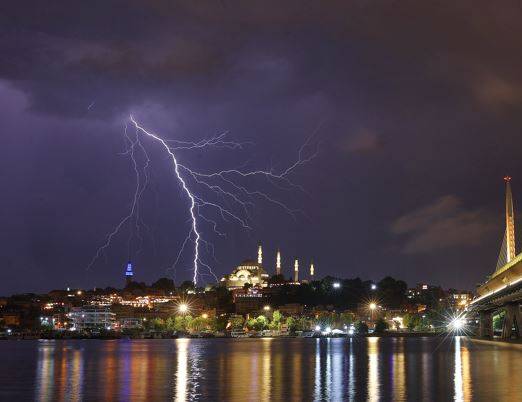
(170, 324)
(164, 284)
(186, 286)
(218, 323)
(361, 327)
(302, 324)
(198, 324)
(250, 323)
(257, 324)
(381, 325)
(277, 317)
(180, 324)
(158, 324)
(346, 319)
(261, 323)
(498, 320)
(392, 292)
(411, 321)
(236, 322)
(291, 324)
(136, 288)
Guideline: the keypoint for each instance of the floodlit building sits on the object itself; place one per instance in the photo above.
(248, 272)
(129, 274)
(92, 317)
(458, 299)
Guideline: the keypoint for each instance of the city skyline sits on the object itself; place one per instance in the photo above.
(416, 133)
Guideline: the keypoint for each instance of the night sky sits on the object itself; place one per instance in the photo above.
(416, 107)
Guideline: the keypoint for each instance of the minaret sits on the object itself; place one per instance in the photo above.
(278, 262)
(296, 271)
(312, 270)
(259, 254)
(510, 222)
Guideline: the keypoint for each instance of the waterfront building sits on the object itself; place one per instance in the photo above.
(249, 301)
(92, 317)
(130, 323)
(291, 309)
(458, 299)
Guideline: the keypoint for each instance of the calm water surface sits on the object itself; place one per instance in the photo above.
(259, 369)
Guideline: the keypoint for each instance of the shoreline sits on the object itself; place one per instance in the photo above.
(513, 344)
(108, 338)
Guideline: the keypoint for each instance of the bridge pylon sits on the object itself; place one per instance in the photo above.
(510, 222)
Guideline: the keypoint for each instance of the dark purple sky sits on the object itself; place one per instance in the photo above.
(418, 104)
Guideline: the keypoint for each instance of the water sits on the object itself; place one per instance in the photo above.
(338, 369)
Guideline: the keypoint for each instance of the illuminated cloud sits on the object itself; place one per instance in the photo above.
(361, 141)
(495, 91)
(442, 224)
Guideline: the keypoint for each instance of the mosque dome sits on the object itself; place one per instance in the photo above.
(248, 272)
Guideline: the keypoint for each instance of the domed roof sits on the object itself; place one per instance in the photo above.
(249, 262)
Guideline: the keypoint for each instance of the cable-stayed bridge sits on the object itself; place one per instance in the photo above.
(503, 289)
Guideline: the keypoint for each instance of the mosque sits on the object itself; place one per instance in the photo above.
(252, 272)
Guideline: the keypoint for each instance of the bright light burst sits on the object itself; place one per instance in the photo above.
(233, 201)
(457, 324)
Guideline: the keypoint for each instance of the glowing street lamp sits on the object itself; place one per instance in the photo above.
(374, 286)
(457, 324)
(318, 328)
(183, 308)
(336, 285)
(266, 308)
(204, 315)
(372, 306)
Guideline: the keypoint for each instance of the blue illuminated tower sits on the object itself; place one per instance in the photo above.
(128, 273)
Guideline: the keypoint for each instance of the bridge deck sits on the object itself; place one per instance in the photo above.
(504, 279)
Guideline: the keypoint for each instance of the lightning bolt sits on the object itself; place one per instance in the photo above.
(227, 186)
(194, 229)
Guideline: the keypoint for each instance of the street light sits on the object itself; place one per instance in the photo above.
(266, 308)
(317, 328)
(204, 315)
(373, 306)
(336, 285)
(183, 308)
(374, 286)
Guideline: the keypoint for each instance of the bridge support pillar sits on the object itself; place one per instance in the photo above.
(486, 324)
(512, 319)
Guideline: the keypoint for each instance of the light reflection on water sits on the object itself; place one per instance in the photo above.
(259, 369)
(373, 369)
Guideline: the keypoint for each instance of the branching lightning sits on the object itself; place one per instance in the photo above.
(228, 186)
